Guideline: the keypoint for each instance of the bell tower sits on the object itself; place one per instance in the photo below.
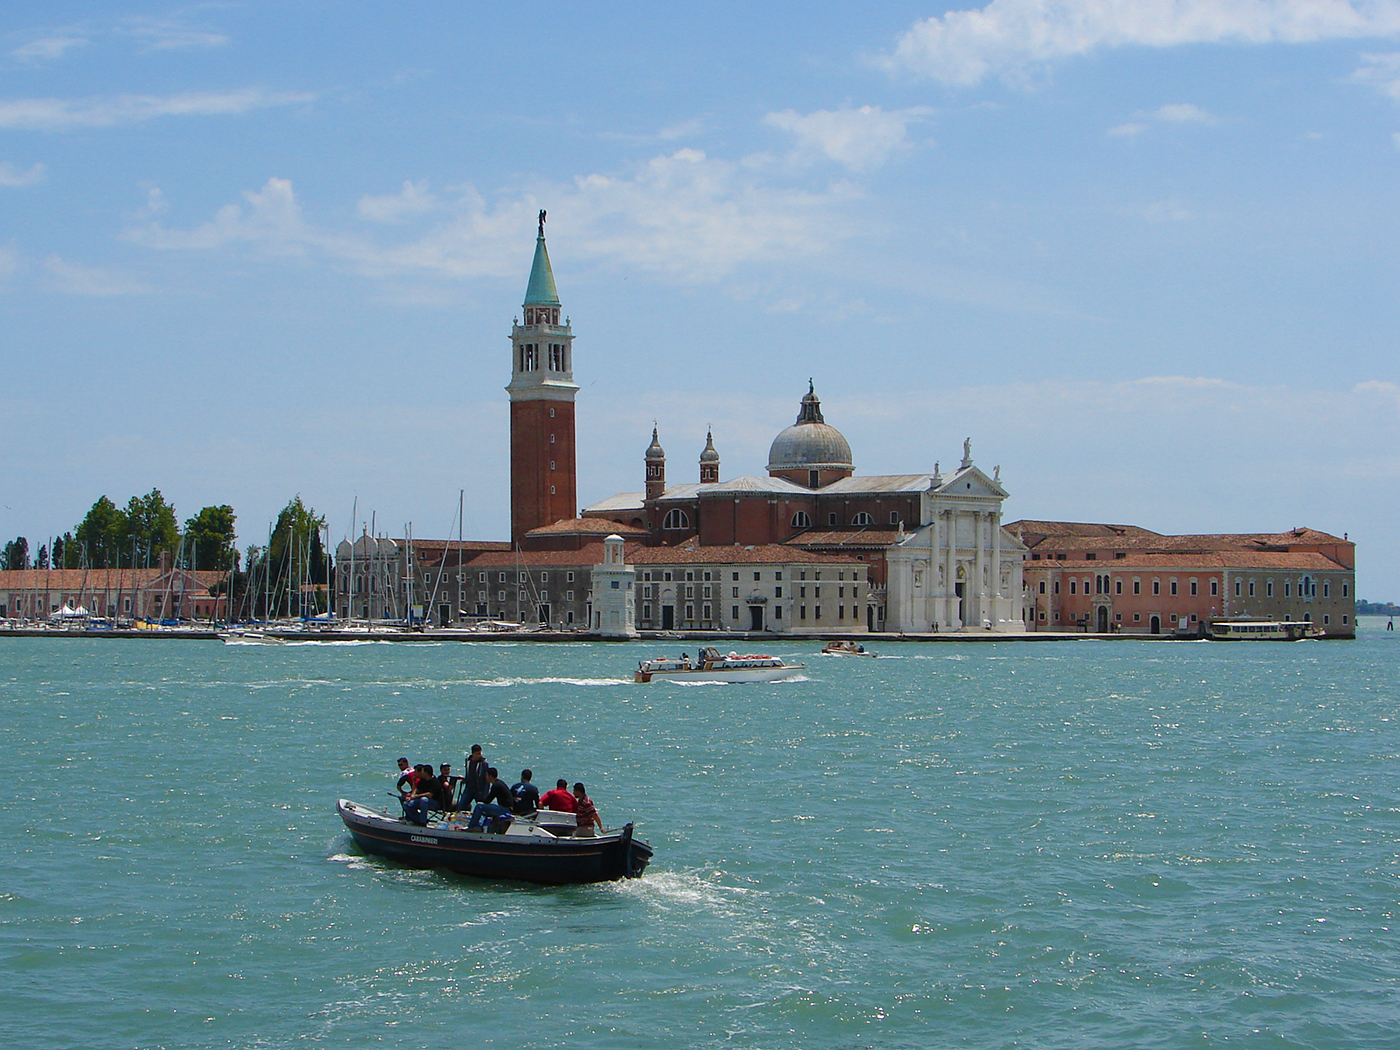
(543, 470)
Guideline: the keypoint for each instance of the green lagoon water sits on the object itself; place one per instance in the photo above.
(1069, 844)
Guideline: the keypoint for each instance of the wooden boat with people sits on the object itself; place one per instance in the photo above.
(845, 649)
(542, 848)
(710, 665)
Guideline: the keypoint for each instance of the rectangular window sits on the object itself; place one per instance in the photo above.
(802, 612)
(1091, 556)
(736, 592)
(778, 575)
(831, 519)
(690, 591)
(568, 596)
(840, 612)
(840, 592)
(690, 612)
(819, 612)
(1057, 586)
(1137, 617)
(481, 577)
(1237, 588)
(1156, 586)
(802, 591)
(1268, 588)
(816, 592)
(736, 577)
(1326, 619)
(1118, 586)
(1042, 586)
(734, 613)
(1214, 588)
(645, 576)
(708, 589)
(1137, 586)
(1326, 589)
(1287, 584)
(1344, 618)
(1193, 588)
(544, 577)
(1251, 588)
(502, 578)
(1173, 588)
(501, 596)
(707, 577)
(690, 576)
(616, 585)
(1346, 589)
(894, 517)
(646, 613)
(1072, 585)
(706, 611)
(777, 592)
(777, 612)
(757, 576)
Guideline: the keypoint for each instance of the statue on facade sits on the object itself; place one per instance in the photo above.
(967, 452)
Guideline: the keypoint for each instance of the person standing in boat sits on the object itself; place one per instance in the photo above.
(405, 773)
(586, 812)
(474, 787)
(559, 798)
(527, 796)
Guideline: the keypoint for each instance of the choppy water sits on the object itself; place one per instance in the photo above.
(1073, 844)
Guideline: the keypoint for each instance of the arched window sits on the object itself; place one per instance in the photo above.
(676, 519)
(800, 520)
(862, 519)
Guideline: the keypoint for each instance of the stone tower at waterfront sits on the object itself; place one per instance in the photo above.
(543, 471)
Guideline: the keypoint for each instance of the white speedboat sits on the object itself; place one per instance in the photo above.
(242, 636)
(845, 649)
(710, 665)
(1263, 630)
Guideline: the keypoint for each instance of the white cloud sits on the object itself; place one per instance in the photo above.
(1173, 113)
(1171, 210)
(1183, 113)
(12, 176)
(1381, 72)
(165, 35)
(54, 114)
(685, 215)
(861, 139)
(413, 199)
(48, 48)
(1017, 38)
(90, 280)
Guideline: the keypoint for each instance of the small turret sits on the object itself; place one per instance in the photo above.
(656, 467)
(709, 461)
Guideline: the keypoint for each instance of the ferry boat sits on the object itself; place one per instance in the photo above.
(713, 666)
(543, 848)
(845, 649)
(1263, 630)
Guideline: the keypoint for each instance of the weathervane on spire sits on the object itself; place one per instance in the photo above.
(542, 215)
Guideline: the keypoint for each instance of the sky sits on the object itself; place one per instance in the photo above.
(1144, 254)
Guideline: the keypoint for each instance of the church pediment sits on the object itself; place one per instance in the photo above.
(969, 481)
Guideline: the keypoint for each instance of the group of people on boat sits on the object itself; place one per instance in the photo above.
(492, 803)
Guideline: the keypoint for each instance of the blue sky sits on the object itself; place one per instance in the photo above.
(1144, 254)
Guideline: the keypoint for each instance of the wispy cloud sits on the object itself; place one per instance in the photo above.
(159, 34)
(413, 199)
(1173, 113)
(54, 114)
(13, 176)
(1017, 39)
(861, 139)
(77, 279)
(686, 216)
(1381, 72)
(48, 48)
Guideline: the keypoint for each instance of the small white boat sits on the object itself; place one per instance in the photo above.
(713, 666)
(250, 637)
(845, 649)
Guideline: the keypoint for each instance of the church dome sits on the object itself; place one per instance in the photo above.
(809, 444)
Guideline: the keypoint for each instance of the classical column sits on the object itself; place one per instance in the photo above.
(977, 517)
(994, 519)
(950, 590)
(932, 601)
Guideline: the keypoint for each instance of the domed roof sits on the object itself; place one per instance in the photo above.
(710, 455)
(809, 444)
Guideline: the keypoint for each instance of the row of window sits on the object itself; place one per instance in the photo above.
(529, 357)
(649, 590)
(706, 613)
(666, 575)
(676, 519)
(1306, 587)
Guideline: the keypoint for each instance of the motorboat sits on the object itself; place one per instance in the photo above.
(543, 848)
(710, 665)
(1263, 630)
(250, 636)
(845, 649)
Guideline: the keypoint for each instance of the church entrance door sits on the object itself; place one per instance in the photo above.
(755, 617)
(1103, 619)
(962, 616)
(668, 617)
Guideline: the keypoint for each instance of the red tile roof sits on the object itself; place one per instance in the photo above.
(1291, 561)
(587, 527)
(765, 554)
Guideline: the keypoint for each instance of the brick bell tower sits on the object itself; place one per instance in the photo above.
(543, 472)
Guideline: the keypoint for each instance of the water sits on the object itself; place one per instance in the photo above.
(1069, 844)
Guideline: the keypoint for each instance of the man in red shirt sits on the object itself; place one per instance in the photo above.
(559, 799)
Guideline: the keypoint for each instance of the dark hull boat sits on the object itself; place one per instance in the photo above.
(542, 849)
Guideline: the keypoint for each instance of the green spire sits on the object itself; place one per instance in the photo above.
(541, 291)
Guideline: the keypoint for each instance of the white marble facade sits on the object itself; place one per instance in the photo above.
(961, 570)
(615, 592)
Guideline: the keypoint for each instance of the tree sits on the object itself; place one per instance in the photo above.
(151, 527)
(103, 536)
(42, 561)
(17, 553)
(66, 553)
(296, 556)
(209, 539)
